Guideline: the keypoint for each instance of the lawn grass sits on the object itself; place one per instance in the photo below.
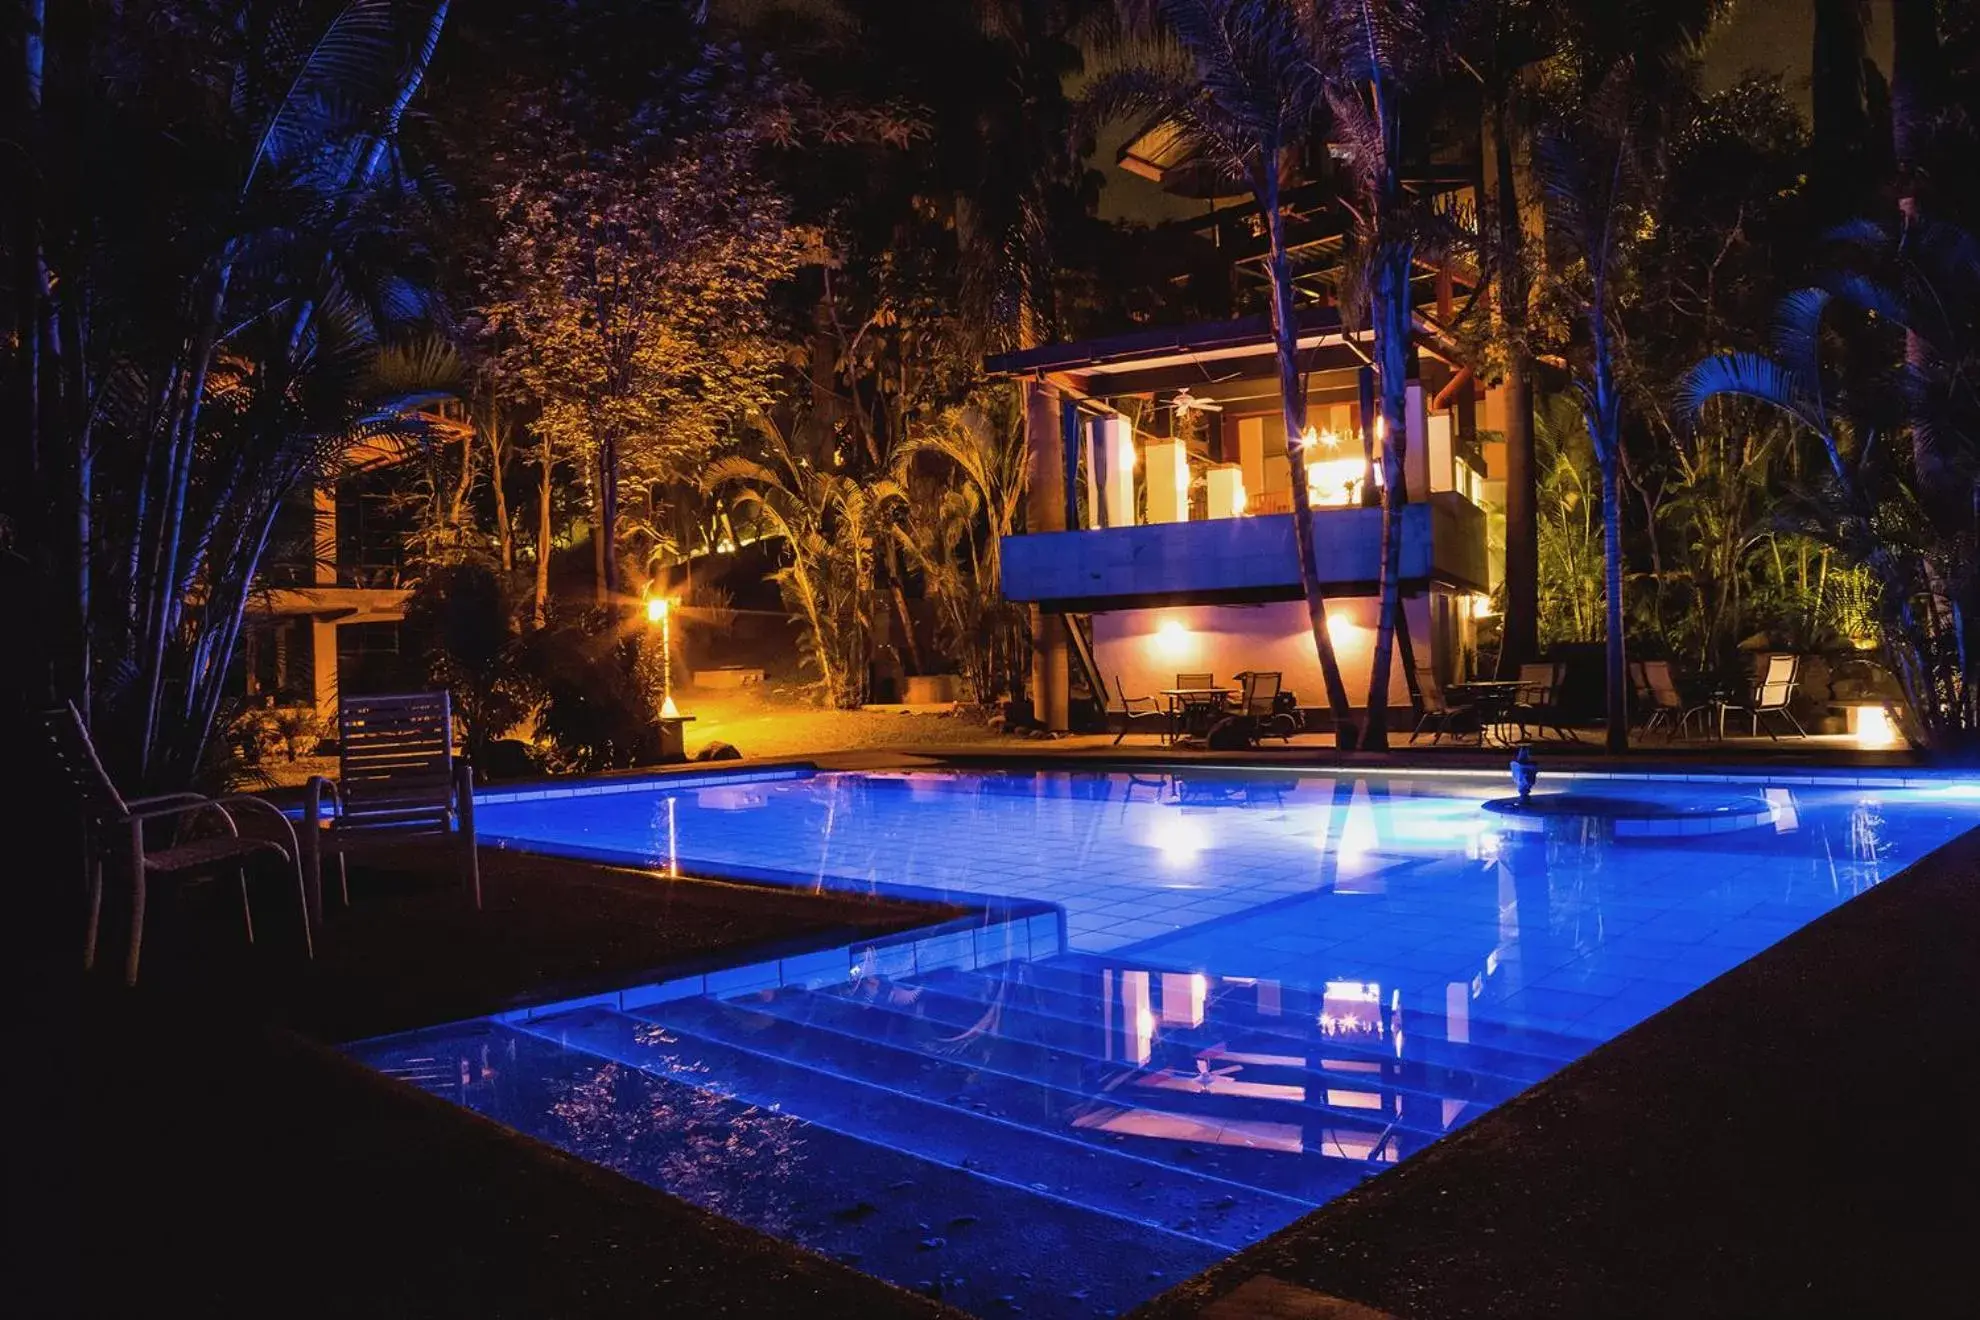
(195, 1148)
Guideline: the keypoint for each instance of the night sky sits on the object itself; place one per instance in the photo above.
(1764, 36)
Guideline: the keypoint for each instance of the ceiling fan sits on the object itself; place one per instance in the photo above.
(1185, 403)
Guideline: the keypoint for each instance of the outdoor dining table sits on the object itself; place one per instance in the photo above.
(1494, 699)
(1201, 705)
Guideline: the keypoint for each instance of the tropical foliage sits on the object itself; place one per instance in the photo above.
(214, 236)
(1893, 407)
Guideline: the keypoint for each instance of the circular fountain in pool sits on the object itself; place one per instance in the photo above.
(1627, 817)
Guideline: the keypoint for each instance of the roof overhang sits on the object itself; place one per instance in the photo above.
(1143, 360)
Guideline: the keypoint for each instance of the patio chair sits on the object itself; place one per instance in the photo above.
(397, 778)
(1534, 702)
(1259, 703)
(1137, 708)
(1659, 698)
(115, 824)
(1191, 716)
(1771, 695)
(1439, 710)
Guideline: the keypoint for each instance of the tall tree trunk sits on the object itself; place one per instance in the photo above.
(1616, 690)
(1292, 400)
(547, 460)
(1840, 110)
(462, 486)
(1392, 313)
(605, 535)
(498, 454)
(1602, 404)
(77, 419)
(1915, 95)
(27, 500)
(1915, 92)
(1519, 636)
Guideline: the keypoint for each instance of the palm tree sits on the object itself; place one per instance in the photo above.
(958, 542)
(211, 319)
(1243, 80)
(1903, 511)
(1591, 170)
(833, 529)
(1380, 43)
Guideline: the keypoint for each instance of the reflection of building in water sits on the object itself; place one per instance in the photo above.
(1255, 1062)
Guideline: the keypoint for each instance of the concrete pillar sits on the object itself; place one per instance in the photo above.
(1051, 670)
(323, 646)
(1226, 491)
(1045, 511)
(1111, 459)
(1251, 452)
(1416, 458)
(1166, 466)
(1443, 462)
(1045, 494)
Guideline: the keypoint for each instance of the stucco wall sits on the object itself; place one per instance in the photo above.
(1147, 648)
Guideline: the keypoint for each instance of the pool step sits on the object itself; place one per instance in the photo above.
(939, 1008)
(1502, 1071)
(1201, 1207)
(1248, 1141)
(1080, 972)
(853, 1195)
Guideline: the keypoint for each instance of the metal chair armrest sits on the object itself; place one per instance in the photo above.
(184, 808)
(288, 826)
(164, 799)
(313, 794)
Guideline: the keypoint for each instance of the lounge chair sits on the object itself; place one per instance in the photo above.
(1535, 703)
(1771, 695)
(397, 778)
(115, 824)
(1137, 708)
(1439, 712)
(1660, 701)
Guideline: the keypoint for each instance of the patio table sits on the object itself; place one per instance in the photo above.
(1195, 706)
(1493, 699)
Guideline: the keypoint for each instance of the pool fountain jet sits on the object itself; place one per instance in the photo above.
(1562, 815)
(1524, 773)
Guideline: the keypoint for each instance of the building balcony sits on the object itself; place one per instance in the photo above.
(1247, 558)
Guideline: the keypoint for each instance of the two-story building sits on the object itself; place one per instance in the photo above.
(1159, 535)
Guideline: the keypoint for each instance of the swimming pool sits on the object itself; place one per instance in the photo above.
(1187, 1010)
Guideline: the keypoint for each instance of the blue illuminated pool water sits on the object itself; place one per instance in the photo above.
(1189, 1010)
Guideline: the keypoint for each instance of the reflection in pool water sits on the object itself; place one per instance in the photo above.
(1194, 1008)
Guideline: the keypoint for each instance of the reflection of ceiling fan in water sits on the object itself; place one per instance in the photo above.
(1186, 403)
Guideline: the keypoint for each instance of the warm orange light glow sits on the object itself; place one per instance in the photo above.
(1334, 482)
(1874, 727)
(669, 711)
(1172, 639)
(656, 609)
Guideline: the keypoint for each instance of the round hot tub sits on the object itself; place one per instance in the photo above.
(1627, 817)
